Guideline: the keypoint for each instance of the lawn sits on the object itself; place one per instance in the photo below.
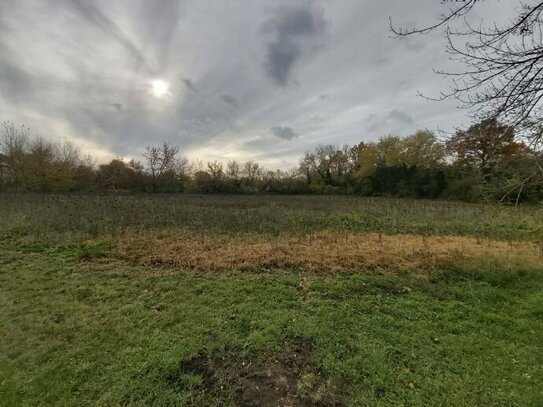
(101, 304)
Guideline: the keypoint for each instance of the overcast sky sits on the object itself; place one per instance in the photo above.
(263, 80)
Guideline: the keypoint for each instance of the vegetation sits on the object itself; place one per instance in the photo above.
(485, 162)
(137, 300)
(75, 218)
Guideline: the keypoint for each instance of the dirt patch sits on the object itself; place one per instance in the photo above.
(197, 365)
(287, 377)
(323, 252)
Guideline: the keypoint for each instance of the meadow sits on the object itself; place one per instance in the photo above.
(269, 301)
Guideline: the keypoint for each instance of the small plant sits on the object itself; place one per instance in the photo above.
(92, 251)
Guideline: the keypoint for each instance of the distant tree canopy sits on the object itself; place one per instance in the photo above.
(483, 145)
(36, 164)
(482, 162)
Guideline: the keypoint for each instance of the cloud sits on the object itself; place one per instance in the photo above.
(415, 44)
(394, 121)
(284, 132)
(229, 99)
(166, 15)
(399, 116)
(232, 83)
(94, 15)
(188, 83)
(118, 107)
(292, 30)
(14, 81)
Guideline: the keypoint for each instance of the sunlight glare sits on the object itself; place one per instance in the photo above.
(159, 88)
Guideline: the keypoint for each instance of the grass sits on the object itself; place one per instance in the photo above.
(83, 325)
(74, 218)
(323, 251)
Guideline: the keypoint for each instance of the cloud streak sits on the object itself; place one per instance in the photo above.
(95, 16)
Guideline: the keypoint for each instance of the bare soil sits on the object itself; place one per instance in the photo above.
(286, 377)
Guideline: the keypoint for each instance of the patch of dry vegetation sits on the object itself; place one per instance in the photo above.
(326, 251)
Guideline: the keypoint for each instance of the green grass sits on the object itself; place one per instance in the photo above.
(82, 328)
(73, 217)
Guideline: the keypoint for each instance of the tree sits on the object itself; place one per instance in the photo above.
(252, 173)
(215, 169)
(422, 149)
(118, 175)
(388, 151)
(366, 160)
(212, 180)
(35, 163)
(503, 78)
(84, 176)
(233, 174)
(14, 146)
(233, 171)
(306, 167)
(493, 165)
(483, 144)
(161, 161)
(329, 164)
(216, 180)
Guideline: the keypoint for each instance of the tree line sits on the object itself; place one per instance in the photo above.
(481, 163)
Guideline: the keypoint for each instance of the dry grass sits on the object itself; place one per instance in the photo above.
(323, 252)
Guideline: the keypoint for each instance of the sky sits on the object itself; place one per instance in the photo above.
(236, 79)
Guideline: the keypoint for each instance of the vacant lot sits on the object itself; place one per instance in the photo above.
(269, 301)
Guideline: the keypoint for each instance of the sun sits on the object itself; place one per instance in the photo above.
(159, 88)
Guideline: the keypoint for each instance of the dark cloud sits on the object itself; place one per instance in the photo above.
(291, 29)
(25, 88)
(394, 121)
(284, 132)
(188, 83)
(399, 116)
(229, 99)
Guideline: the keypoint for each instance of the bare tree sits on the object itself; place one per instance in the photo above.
(215, 169)
(233, 171)
(503, 78)
(251, 171)
(69, 154)
(184, 166)
(160, 160)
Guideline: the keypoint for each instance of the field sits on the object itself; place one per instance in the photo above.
(269, 301)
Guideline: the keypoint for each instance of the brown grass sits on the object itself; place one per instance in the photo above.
(322, 252)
